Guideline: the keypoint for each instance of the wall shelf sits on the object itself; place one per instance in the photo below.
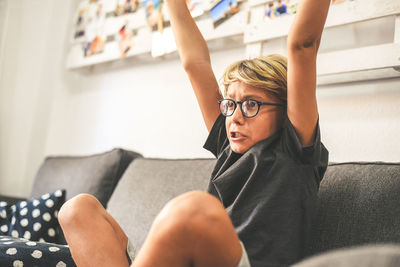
(144, 38)
(343, 65)
(360, 62)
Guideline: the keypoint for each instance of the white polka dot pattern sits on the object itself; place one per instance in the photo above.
(46, 217)
(27, 235)
(3, 214)
(35, 213)
(20, 252)
(51, 232)
(23, 212)
(36, 226)
(31, 244)
(37, 254)
(54, 249)
(11, 251)
(24, 222)
(49, 203)
(4, 228)
(18, 263)
(34, 219)
(45, 196)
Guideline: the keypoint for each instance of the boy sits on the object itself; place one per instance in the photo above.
(263, 189)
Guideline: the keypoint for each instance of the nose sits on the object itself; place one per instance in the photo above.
(237, 116)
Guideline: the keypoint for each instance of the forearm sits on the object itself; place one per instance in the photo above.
(308, 25)
(191, 45)
(195, 59)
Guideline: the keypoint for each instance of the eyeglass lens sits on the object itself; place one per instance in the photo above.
(249, 107)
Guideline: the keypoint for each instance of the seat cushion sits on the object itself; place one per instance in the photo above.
(96, 174)
(148, 184)
(358, 204)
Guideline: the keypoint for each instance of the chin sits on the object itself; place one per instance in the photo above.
(239, 149)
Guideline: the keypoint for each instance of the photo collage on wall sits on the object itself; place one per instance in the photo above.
(223, 10)
(89, 27)
(279, 8)
(125, 33)
(340, 1)
(92, 32)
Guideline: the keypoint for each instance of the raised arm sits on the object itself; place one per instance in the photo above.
(195, 59)
(303, 43)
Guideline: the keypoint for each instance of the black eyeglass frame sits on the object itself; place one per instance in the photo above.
(259, 103)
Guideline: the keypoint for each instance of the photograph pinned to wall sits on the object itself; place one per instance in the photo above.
(195, 7)
(338, 1)
(80, 20)
(280, 8)
(154, 14)
(125, 39)
(80, 23)
(94, 31)
(223, 10)
(126, 6)
(163, 42)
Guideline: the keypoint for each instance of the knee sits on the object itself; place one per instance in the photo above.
(193, 213)
(78, 209)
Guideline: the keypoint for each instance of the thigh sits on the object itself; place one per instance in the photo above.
(192, 229)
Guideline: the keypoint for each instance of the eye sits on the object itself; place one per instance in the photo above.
(230, 104)
(250, 105)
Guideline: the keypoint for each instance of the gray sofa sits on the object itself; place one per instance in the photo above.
(359, 202)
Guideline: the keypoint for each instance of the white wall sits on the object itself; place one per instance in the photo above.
(142, 104)
(145, 106)
(361, 121)
(26, 88)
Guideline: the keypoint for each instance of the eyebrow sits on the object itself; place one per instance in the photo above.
(255, 97)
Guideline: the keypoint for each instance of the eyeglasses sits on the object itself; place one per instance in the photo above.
(249, 107)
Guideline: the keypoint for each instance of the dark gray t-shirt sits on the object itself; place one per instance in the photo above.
(269, 192)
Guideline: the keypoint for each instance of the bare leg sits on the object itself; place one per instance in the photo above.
(192, 230)
(94, 237)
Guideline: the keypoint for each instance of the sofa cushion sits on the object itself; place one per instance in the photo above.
(387, 255)
(358, 204)
(148, 184)
(33, 219)
(96, 174)
(19, 252)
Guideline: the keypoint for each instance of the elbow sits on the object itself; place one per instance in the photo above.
(304, 44)
(194, 66)
(187, 65)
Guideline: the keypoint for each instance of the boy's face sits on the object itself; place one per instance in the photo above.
(244, 132)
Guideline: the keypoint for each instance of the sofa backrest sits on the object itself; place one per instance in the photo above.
(359, 203)
(148, 184)
(96, 174)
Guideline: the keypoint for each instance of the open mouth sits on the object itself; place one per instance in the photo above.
(236, 135)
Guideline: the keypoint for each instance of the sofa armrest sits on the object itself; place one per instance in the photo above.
(10, 199)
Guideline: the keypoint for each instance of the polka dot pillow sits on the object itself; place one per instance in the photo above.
(34, 219)
(19, 252)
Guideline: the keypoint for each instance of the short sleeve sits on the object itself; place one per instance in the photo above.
(217, 139)
(315, 154)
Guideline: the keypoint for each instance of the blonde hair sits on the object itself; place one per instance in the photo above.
(268, 73)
